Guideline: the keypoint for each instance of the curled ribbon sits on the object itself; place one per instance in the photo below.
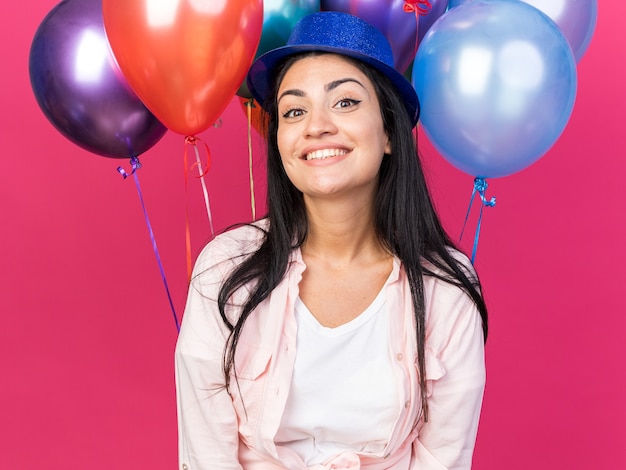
(136, 165)
(203, 169)
(420, 7)
(193, 141)
(480, 187)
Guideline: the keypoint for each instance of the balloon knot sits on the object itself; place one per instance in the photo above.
(191, 140)
(135, 165)
(421, 7)
(480, 185)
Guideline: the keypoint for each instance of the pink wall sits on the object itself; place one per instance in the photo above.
(87, 335)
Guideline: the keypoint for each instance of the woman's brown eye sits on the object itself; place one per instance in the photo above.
(293, 113)
(346, 103)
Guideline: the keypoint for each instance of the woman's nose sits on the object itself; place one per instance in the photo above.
(319, 122)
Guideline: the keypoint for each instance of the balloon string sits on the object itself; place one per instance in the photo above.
(187, 231)
(480, 186)
(419, 7)
(135, 166)
(193, 141)
(205, 192)
(249, 106)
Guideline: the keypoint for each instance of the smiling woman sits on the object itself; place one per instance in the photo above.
(330, 135)
(344, 330)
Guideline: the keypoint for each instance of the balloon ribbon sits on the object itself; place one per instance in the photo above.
(480, 186)
(193, 142)
(419, 7)
(135, 164)
(249, 105)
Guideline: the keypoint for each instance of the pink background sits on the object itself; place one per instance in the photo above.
(87, 335)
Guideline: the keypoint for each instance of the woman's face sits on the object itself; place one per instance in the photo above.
(330, 130)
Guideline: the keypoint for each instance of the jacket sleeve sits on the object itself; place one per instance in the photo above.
(207, 424)
(455, 373)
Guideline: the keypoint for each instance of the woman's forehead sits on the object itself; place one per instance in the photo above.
(323, 67)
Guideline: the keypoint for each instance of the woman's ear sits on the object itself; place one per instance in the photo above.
(388, 147)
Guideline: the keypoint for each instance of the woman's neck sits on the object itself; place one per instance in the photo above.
(342, 232)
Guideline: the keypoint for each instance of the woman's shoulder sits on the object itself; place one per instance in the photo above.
(448, 305)
(232, 245)
(463, 262)
(438, 267)
(241, 237)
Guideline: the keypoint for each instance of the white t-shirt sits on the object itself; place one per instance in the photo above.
(344, 393)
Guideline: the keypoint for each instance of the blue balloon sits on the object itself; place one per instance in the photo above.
(576, 19)
(497, 84)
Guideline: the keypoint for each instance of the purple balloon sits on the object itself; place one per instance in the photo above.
(389, 17)
(576, 19)
(80, 88)
(437, 8)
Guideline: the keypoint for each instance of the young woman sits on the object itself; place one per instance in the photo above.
(344, 330)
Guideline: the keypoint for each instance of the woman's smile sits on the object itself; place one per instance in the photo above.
(324, 154)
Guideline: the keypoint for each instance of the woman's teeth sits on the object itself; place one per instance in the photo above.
(325, 153)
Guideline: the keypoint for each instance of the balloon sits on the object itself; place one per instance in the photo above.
(185, 59)
(576, 18)
(81, 90)
(279, 18)
(389, 17)
(497, 83)
(436, 8)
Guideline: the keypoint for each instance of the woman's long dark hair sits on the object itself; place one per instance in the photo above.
(406, 224)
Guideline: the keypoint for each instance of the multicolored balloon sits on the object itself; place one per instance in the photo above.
(497, 83)
(576, 19)
(81, 90)
(184, 59)
(390, 18)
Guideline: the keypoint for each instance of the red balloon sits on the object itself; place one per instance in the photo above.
(185, 59)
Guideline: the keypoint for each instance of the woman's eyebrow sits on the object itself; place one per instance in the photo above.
(335, 83)
(293, 92)
(328, 87)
